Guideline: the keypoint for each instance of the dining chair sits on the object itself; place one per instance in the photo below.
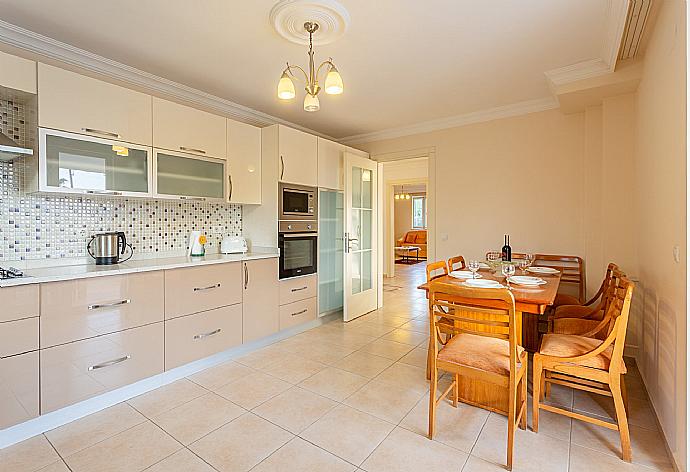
(431, 274)
(572, 270)
(513, 256)
(455, 260)
(589, 364)
(483, 347)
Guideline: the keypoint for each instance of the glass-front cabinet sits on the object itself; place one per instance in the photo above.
(73, 163)
(184, 176)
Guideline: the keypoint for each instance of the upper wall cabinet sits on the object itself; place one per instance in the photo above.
(244, 163)
(330, 164)
(297, 157)
(17, 73)
(73, 102)
(180, 128)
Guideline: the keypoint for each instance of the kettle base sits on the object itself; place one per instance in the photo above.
(107, 260)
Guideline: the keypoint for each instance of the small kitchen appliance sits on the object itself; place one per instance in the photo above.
(297, 202)
(107, 248)
(196, 244)
(10, 273)
(233, 245)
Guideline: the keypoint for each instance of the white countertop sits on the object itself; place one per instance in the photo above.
(80, 271)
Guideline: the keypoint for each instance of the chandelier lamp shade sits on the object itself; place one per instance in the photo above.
(333, 83)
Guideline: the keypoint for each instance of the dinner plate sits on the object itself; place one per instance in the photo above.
(482, 283)
(484, 265)
(463, 274)
(542, 270)
(526, 280)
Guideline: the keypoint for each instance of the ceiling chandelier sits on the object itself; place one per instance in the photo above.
(333, 84)
(402, 195)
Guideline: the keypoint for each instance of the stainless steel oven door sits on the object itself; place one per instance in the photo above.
(297, 254)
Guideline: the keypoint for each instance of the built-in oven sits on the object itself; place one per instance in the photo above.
(296, 202)
(297, 241)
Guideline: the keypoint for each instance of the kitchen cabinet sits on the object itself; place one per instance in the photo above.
(296, 156)
(297, 288)
(181, 128)
(73, 163)
(331, 247)
(260, 299)
(244, 163)
(296, 313)
(17, 73)
(330, 164)
(19, 302)
(184, 176)
(73, 102)
(18, 389)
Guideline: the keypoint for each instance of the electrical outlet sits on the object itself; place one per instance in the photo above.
(676, 254)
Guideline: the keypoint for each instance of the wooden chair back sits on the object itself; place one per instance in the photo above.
(572, 270)
(456, 260)
(513, 256)
(433, 267)
(605, 325)
(604, 283)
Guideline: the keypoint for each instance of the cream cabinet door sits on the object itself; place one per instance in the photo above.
(297, 158)
(180, 128)
(73, 102)
(17, 73)
(330, 164)
(18, 389)
(244, 163)
(260, 299)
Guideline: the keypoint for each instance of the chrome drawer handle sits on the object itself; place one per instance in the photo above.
(188, 149)
(103, 192)
(109, 363)
(101, 132)
(96, 306)
(210, 287)
(299, 312)
(298, 289)
(206, 335)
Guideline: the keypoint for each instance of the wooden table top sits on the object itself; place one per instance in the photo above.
(530, 300)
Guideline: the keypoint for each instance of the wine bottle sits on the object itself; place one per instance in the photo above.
(506, 252)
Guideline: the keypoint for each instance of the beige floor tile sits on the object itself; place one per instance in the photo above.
(254, 389)
(299, 455)
(59, 466)
(419, 326)
(551, 424)
(195, 419)
(294, 369)
(166, 397)
(129, 451)
(384, 401)
(456, 427)
(406, 337)
(182, 461)
(647, 446)
(295, 409)
(94, 428)
(364, 364)
(28, 456)
(560, 396)
(404, 376)
(589, 460)
(220, 375)
(640, 414)
(492, 445)
(348, 433)
(373, 329)
(404, 451)
(387, 349)
(416, 357)
(241, 444)
(264, 357)
(334, 383)
(386, 320)
(348, 339)
(475, 464)
(326, 354)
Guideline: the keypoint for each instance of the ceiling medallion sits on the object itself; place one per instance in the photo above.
(288, 18)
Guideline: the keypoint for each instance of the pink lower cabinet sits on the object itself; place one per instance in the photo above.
(18, 388)
(194, 337)
(260, 299)
(196, 289)
(73, 372)
(296, 313)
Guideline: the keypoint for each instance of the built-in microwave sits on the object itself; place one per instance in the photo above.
(297, 242)
(296, 202)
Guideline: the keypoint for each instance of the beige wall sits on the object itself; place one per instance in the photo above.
(661, 213)
(403, 216)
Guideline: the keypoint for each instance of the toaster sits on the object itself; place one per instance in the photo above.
(233, 245)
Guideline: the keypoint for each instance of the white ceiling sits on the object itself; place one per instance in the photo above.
(402, 61)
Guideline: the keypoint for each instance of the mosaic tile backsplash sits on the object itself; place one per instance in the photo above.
(40, 226)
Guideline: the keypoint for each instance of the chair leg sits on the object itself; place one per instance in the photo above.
(432, 400)
(523, 401)
(624, 394)
(537, 384)
(622, 418)
(456, 390)
(547, 385)
(512, 400)
(428, 360)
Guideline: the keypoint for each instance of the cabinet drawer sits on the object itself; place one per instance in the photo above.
(195, 289)
(300, 288)
(19, 336)
(197, 336)
(74, 372)
(74, 102)
(18, 302)
(84, 308)
(297, 313)
(18, 389)
(180, 128)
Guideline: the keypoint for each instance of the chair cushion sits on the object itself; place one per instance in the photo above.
(577, 311)
(576, 326)
(564, 299)
(410, 237)
(569, 345)
(480, 352)
(421, 237)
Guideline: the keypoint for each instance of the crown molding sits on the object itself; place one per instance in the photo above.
(515, 109)
(616, 18)
(575, 72)
(50, 48)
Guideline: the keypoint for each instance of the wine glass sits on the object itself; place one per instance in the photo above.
(492, 258)
(474, 267)
(529, 257)
(523, 264)
(508, 270)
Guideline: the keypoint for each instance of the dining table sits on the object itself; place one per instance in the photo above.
(530, 302)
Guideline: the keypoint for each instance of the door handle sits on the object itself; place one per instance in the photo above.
(298, 289)
(299, 312)
(193, 199)
(96, 306)
(109, 134)
(246, 276)
(230, 184)
(103, 192)
(188, 149)
(282, 167)
(348, 240)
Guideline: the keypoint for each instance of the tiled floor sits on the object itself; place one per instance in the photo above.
(336, 398)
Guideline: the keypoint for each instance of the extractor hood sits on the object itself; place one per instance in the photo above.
(10, 150)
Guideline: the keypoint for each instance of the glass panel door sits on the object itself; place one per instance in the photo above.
(330, 251)
(183, 175)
